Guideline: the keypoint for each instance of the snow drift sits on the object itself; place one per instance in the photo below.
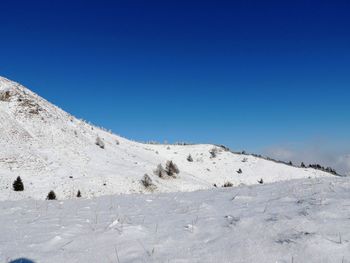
(304, 220)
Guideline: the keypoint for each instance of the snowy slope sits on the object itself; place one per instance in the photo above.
(52, 150)
(304, 220)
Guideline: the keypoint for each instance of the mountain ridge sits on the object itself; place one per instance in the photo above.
(52, 150)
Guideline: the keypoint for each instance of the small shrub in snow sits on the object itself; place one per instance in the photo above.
(239, 171)
(78, 194)
(245, 159)
(51, 196)
(100, 143)
(171, 168)
(227, 184)
(117, 142)
(5, 95)
(189, 158)
(303, 165)
(18, 185)
(225, 148)
(290, 163)
(147, 181)
(261, 181)
(160, 172)
(213, 152)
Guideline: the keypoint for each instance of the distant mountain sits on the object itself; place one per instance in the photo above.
(52, 150)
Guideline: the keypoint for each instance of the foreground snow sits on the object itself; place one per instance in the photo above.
(305, 220)
(52, 150)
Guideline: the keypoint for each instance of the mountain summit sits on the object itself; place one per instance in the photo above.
(52, 150)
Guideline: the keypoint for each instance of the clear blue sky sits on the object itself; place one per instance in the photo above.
(248, 74)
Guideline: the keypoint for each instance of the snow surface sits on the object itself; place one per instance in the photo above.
(305, 220)
(297, 215)
(52, 150)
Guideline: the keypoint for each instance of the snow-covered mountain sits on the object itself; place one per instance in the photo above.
(285, 221)
(52, 150)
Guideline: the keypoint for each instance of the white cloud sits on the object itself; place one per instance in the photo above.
(343, 163)
(320, 153)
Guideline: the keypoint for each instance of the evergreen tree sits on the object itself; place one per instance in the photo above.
(51, 196)
(160, 172)
(171, 168)
(18, 184)
(146, 181)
